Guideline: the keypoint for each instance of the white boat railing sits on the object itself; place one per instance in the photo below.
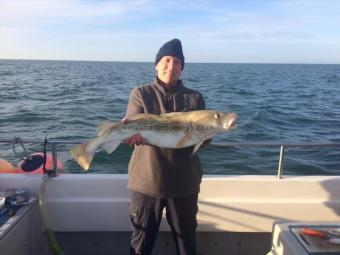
(282, 147)
(54, 143)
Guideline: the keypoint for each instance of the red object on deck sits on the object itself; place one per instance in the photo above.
(7, 167)
(35, 164)
(314, 232)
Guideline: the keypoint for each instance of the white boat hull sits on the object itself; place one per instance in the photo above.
(229, 206)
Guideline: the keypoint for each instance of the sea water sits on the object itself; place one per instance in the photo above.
(276, 103)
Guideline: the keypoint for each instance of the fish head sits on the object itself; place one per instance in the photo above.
(223, 121)
(213, 120)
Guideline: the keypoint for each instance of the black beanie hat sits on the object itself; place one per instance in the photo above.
(171, 48)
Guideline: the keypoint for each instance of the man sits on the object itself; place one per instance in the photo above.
(161, 177)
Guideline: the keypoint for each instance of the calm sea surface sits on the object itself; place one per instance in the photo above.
(276, 103)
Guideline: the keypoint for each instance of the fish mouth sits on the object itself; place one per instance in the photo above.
(231, 123)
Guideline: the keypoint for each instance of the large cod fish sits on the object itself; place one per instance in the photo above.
(168, 130)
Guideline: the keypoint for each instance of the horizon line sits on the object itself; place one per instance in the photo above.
(129, 61)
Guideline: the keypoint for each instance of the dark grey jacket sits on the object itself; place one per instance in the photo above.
(164, 172)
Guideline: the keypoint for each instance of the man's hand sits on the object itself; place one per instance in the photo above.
(136, 139)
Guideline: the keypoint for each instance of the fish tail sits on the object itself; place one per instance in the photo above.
(83, 155)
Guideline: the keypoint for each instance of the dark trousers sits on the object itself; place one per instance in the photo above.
(146, 215)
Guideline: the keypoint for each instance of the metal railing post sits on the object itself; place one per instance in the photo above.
(281, 162)
(54, 158)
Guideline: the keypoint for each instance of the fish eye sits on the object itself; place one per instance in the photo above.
(217, 115)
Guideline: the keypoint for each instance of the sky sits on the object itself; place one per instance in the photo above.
(230, 31)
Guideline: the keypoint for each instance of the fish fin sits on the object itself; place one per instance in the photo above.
(80, 154)
(186, 138)
(197, 146)
(110, 146)
(104, 126)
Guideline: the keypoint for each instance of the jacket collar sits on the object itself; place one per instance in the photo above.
(162, 87)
